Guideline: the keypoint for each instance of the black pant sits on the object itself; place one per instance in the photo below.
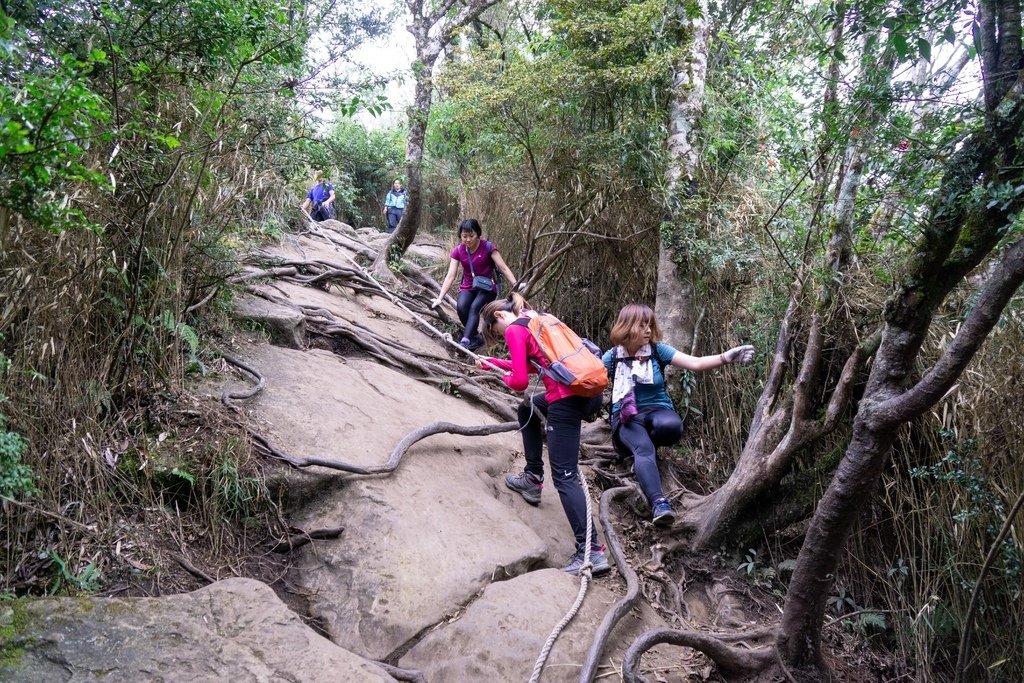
(564, 418)
(394, 216)
(651, 427)
(322, 213)
(469, 305)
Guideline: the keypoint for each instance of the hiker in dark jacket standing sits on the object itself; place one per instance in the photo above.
(480, 262)
(319, 202)
(508, 319)
(643, 415)
(394, 205)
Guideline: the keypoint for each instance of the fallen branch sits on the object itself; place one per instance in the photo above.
(192, 569)
(205, 300)
(51, 515)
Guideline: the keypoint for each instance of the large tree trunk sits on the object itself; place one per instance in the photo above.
(419, 113)
(963, 228)
(882, 411)
(786, 419)
(674, 299)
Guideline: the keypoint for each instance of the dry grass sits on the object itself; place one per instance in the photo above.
(99, 344)
(612, 262)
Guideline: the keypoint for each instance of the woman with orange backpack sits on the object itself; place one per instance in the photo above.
(564, 410)
(643, 415)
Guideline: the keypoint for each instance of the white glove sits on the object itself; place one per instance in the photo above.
(739, 354)
(436, 302)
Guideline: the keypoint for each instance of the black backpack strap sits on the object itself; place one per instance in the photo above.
(661, 364)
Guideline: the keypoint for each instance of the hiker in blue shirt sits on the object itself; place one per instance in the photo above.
(394, 205)
(319, 203)
(643, 415)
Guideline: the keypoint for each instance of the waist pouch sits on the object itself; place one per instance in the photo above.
(484, 283)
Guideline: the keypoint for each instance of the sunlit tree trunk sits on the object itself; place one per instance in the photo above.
(674, 302)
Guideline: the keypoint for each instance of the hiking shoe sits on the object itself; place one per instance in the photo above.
(527, 485)
(464, 342)
(598, 562)
(661, 510)
(475, 343)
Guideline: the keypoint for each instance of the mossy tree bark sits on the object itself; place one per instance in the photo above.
(793, 414)
(969, 222)
(963, 229)
(674, 298)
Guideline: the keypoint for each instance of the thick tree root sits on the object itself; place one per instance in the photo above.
(628, 601)
(264, 443)
(396, 454)
(731, 660)
(401, 674)
(238, 396)
(298, 540)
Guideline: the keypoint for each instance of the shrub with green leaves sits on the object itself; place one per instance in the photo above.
(16, 478)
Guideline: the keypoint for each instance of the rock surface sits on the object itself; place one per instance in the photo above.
(233, 630)
(284, 325)
(501, 634)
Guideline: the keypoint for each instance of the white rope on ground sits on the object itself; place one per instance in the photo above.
(585, 578)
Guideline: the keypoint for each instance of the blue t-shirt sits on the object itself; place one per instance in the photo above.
(647, 395)
(319, 193)
(395, 200)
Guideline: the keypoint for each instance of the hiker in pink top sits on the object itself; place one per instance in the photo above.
(564, 412)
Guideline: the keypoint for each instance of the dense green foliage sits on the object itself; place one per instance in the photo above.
(367, 163)
(553, 125)
(142, 144)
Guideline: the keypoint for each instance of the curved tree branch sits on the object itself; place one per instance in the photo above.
(731, 660)
(396, 453)
(994, 297)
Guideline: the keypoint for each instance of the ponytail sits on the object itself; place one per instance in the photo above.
(515, 303)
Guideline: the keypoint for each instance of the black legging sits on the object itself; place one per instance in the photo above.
(471, 302)
(564, 418)
(650, 428)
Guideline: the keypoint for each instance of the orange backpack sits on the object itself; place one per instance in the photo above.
(572, 361)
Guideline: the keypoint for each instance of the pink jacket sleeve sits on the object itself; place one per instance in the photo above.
(516, 338)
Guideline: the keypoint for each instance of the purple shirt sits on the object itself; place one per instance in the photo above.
(483, 264)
